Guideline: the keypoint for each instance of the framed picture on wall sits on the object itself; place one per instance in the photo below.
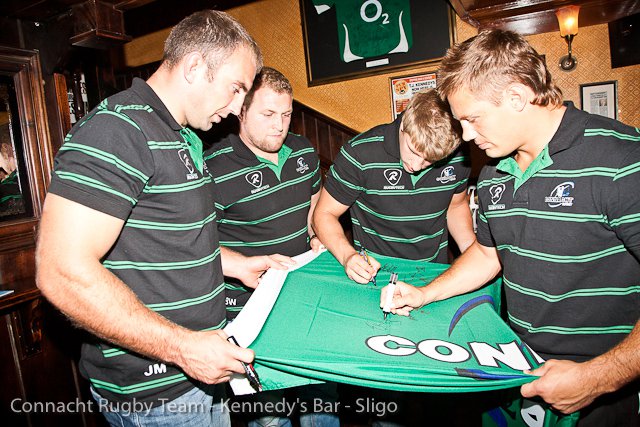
(403, 88)
(351, 39)
(600, 98)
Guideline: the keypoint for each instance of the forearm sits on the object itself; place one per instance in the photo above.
(460, 225)
(617, 367)
(475, 267)
(331, 234)
(99, 302)
(233, 263)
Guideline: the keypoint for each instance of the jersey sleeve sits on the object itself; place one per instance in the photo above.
(104, 164)
(463, 167)
(623, 205)
(483, 232)
(345, 180)
(317, 175)
(322, 6)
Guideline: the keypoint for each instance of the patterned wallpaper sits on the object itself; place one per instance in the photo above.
(365, 102)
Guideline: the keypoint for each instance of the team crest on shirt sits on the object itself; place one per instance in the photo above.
(560, 195)
(302, 166)
(185, 158)
(448, 174)
(393, 178)
(496, 191)
(255, 178)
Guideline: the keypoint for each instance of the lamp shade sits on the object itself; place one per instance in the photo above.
(568, 20)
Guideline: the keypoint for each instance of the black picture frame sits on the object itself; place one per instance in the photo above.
(432, 33)
(600, 98)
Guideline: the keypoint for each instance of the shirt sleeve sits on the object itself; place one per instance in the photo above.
(463, 167)
(317, 174)
(483, 232)
(345, 180)
(104, 164)
(623, 205)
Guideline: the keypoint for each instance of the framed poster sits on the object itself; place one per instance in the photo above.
(349, 39)
(600, 98)
(403, 88)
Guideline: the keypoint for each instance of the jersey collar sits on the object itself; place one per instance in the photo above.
(391, 134)
(144, 91)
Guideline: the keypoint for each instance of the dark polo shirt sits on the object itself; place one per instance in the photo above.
(262, 207)
(395, 213)
(128, 159)
(567, 232)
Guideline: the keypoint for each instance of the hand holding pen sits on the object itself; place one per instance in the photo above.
(249, 371)
(389, 297)
(365, 255)
(361, 267)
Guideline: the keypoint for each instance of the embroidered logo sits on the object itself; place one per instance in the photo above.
(393, 177)
(560, 195)
(185, 158)
(496, 191)
(447, 175)
(255, 178)
(302, 166)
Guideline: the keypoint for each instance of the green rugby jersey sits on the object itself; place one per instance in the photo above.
(370, 28)
(128, 159)
(395, 213)
(567, 231)
(262, 208)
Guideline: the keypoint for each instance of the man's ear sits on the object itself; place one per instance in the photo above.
(193, 64)
(517, 96)
(243, 110)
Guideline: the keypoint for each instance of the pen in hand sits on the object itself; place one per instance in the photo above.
(363, 253)
(390, 290)
(249, 370)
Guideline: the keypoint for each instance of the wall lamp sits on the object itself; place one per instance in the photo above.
(568, 21)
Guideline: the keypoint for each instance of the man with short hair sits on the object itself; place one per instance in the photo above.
(560, 217)
(267, 183)
(404, 184)
(128, 244)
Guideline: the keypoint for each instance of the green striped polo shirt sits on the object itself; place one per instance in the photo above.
(567, 231)
(128, 159)
(262, 207)
(395, 213)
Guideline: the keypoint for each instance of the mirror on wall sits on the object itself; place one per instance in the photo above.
(14, 194)
(25, 147)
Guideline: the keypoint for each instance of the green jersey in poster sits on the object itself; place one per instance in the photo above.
(370, 28)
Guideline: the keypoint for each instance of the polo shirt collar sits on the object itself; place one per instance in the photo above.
(241, 149)
(146, 93)
(570, 131)
(391, 134)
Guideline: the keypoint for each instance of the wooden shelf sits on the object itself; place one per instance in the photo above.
(24, 291)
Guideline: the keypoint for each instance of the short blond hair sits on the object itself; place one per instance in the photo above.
(430, 125)
(487, 63)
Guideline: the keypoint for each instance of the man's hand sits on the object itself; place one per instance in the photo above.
(359, 270)
(254, 267)
(208, 356)
(567, 386)
(316, 244)
(405, 298)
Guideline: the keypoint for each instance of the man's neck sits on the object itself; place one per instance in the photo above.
(539, 129)
(171, 96)
(272, 157)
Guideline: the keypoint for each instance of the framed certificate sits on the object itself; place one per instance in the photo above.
(403, 88)
(600, 98)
